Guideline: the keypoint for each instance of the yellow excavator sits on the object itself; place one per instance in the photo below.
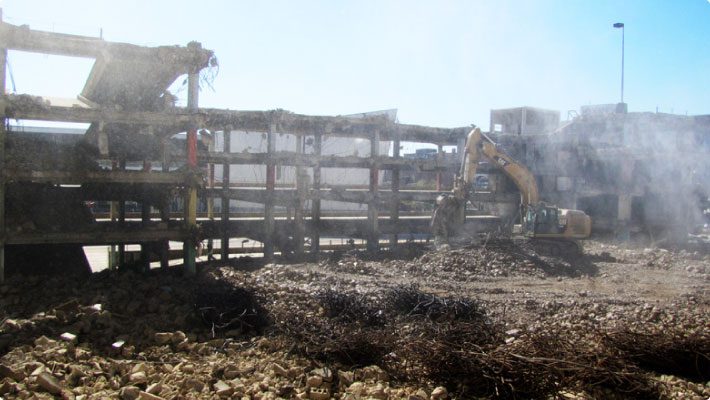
(550, 229)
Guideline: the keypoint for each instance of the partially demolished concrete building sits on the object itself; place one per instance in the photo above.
(646, 173)
(48, 179)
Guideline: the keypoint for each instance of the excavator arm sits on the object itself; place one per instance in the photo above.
(479, 146)
(450, 214)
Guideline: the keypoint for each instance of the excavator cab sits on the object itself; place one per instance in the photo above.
(542, 219)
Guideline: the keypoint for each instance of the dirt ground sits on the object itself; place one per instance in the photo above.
(494, 320)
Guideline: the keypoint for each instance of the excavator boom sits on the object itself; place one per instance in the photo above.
(479, 146)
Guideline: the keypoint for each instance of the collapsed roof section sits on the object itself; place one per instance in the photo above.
(125, 76)
(138, 80)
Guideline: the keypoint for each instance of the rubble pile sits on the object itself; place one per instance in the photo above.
(495, 259)
(314, 332)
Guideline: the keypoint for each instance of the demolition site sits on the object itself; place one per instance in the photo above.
(168, 252)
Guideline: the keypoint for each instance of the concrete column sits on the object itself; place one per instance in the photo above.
(165, 208)
(145, 219)
(315, 203)
(210, 202)
(301, 182)
(394, 206)
(373, 236)
(122, 220)
(270, 188)
(624, 216)
(225, 194)
(189, 245)
(439, 157)
(113, 215)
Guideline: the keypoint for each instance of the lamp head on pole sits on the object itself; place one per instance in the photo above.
(619, 25)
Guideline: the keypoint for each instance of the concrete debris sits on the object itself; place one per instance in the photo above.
(439, 393)
(7, 372)
(170, 352)
(148, 396)
(49, 383)
(129, 393)
(163, 337)
(155, 388)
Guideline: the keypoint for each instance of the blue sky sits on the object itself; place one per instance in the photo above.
(441, 63)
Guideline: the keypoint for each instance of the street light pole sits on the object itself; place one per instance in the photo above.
(621, 25)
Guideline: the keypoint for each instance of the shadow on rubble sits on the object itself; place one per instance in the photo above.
(118, 313)
(357, 329)
(565, 265)
(419, 337)
(571, 266)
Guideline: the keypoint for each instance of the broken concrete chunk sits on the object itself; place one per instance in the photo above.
(377, 392)
(345, 378)
(155, 388)
(319, 394)
(195, 385)
(137, 378)
(356, 388)
(439, 393)
(68, 337)
(325, 373)
(163, 337)
(222, 389)
(129, 393)
(178, 337)
(49, 383)
(231, 372)
(314, 381)
(374, 373)
(44, 341)
(185, 345)
(10, 324)
(76, 373)
(280, 371)
(149, 396)
(38, 370)
(8, 372)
